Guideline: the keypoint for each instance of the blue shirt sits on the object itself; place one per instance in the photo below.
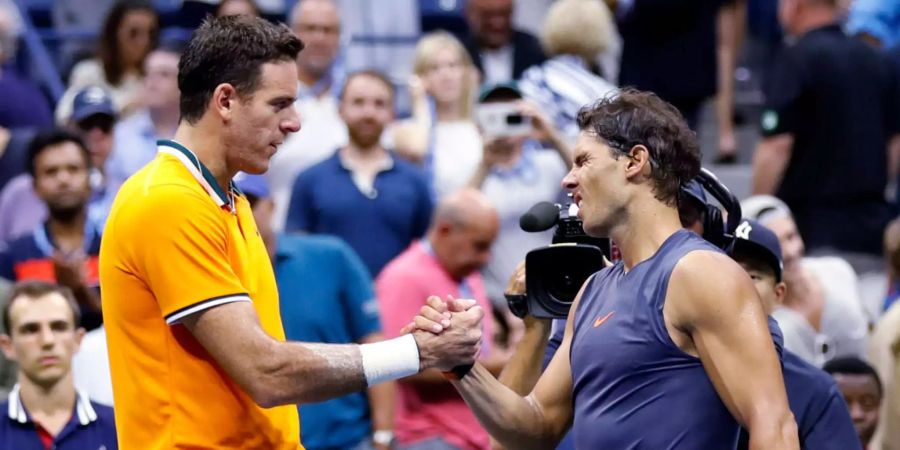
(379, 224)
(632, 386)
(91, 427)
(326, 296)
(134, 145)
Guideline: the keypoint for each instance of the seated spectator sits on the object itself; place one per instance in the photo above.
(236, 8)
(23, 104)
(135, 137)
(863, 392)
(515, 173)
(500, 52)
(823, 421)
(326, 296)
(442, 135)
(363, 194)
(823, 317)
(321, 76)
(129, 33)
(93, 120)
(13, 153)
(45, 410)
(63, 249)
(430, 412)
(574, 36)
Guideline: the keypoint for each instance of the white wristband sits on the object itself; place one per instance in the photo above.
(390, 360)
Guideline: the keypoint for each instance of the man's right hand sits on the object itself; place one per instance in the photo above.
(458, 341)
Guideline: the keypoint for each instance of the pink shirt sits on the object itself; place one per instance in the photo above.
(402, 288)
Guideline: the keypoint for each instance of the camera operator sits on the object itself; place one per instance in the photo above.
(514, 173)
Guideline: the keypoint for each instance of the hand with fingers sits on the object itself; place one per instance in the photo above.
(448, 333)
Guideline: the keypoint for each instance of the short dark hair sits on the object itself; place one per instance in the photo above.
(230, 50)
(33, 289)
(630, 117)
(851, 365)
(45, 139)
(372, 74)
(109, 52)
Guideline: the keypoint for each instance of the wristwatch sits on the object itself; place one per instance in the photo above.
(383, 437)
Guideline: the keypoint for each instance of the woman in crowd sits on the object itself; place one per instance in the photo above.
(441, 135)
(129, 33)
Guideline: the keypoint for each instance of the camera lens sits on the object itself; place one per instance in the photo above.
(514, 119)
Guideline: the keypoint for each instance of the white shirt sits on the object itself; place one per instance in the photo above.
(513, 195)
(497, 65)
(321, 133)
(90, 367)
(457, 152)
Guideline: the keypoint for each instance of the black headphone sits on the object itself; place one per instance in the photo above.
(715, 229)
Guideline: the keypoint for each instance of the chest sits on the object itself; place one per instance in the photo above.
(341, 200)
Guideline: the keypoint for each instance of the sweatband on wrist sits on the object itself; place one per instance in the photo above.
(390, 360)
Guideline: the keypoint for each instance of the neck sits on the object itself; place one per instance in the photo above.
(647, 226)
(308, 77)
(165, 120)
(69, 233)
(816, 17)
(448, 111)
(208, 148)
(47, 400)
(364, 153)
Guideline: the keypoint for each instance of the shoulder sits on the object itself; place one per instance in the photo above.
(325, 168)
(699, 294)
(320, 246)
(409, 265)
(828, 267)
(817, 381)
(523, 38)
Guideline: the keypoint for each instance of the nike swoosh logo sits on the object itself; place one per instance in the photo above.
(600, 320)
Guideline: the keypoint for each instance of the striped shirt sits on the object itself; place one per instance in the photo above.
(560, 87)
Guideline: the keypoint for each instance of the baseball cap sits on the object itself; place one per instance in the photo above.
(752, 237)
(764, 208)
(507, 89)
(255, 185)
(90, 101)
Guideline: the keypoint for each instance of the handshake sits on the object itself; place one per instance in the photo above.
(447, 333)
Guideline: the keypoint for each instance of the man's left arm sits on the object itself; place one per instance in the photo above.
(723, 317)
(770, 161)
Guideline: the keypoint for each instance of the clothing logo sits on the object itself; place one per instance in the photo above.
(600, 320)
(743, 231)
(769, 120)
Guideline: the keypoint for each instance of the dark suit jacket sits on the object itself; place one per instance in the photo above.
(527, 52)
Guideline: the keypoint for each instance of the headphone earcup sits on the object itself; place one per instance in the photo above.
(714, 226)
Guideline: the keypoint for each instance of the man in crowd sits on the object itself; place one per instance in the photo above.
(500, 52)
(430, 413)
(63, 249)
(863, 392)
(376, 202)
(44, 409)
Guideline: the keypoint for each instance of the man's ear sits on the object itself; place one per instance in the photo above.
(7, 347)
(780, 292)
(222, 100)
(638, 163)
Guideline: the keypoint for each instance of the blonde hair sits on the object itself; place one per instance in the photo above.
(577, 27)
(436, 41)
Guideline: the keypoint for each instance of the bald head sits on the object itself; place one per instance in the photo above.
(464, 227)
(318, 24)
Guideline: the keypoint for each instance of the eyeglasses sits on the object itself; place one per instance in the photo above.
(102, 121)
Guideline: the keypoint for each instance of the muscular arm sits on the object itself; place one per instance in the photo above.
(721, 320)
(770, 161)
(524, 367)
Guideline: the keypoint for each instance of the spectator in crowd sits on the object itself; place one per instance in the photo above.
(23, 104)
(892, 254)
(77, 16)
(862, 391)
(884, 348)
(430, 413)
(515, 173)
(442, 135)
(317, 23)
(823, 315)
(822, 417)
(93, 120)
(13, 154)
(363, 194)
(237, 7)
(129, 33)
(63, 249)
(44, 409)
(574, 36)
(659, 36)
(326, 296)
(500, 52)
(135, 137)
(824, 152)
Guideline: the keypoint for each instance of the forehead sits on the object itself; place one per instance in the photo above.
(366, 86)
(317, 12)
(58, 154)
(162, 57)
(46, 308)
(278, 78)
(856, 383)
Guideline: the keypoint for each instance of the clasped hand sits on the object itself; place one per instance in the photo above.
(448, 333)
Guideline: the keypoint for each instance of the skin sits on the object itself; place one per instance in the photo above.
(237, 8)
(491, 22)
(161, 80)
(863, 400)
(318, 24)
(134, 36)
(367, 108)
(42, 339)
(98, 141)
(241, 133)
(719, 319)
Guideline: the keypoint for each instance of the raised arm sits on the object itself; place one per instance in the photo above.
(722, 321)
